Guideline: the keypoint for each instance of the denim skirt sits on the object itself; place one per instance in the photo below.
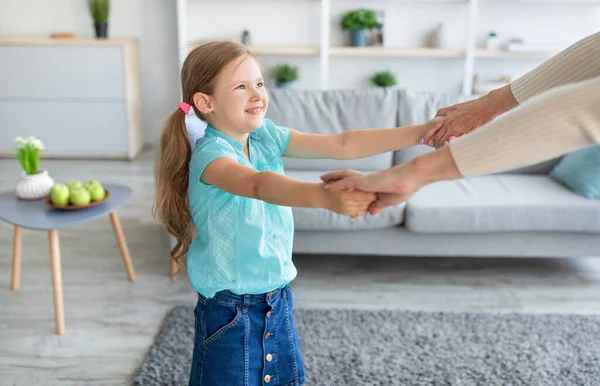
(246, 340)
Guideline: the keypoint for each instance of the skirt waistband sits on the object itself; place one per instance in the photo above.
(269, 297)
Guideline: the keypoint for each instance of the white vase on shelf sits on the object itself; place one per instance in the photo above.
(492, 42)
(34, 186)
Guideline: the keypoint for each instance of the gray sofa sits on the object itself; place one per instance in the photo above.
(517, 213)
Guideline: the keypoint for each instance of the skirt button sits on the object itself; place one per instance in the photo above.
(267, 378)
(269, 357)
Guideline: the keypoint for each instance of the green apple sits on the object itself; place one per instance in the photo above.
(59, 195)
(57, 187)
(94, 183)
(97, 193)
(74, 184)
(79, 196)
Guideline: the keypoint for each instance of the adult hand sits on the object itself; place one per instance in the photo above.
(465, 117)
(459, 119)
(392, 186)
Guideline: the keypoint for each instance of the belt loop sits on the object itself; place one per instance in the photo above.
(245, 302)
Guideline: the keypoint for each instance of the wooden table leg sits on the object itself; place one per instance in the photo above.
(17, 252)
(59, 311)
(122, 245)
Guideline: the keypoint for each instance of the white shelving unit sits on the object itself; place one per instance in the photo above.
(324, 51)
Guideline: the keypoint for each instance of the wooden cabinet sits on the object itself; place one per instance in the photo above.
(80, 97)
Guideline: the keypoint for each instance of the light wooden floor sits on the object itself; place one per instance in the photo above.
(110, 322)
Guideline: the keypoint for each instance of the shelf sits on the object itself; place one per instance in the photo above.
(325, 51)
(485, 54)
(397, 52)
(570, 2)
(308, 50)
(39, 41)
(285, 50)
(420, 1)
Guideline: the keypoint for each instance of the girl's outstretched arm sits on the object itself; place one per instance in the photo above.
(356, 143)
(228, 175)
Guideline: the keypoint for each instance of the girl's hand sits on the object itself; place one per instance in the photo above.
(430, 127)
(393, 186)
(351, 203)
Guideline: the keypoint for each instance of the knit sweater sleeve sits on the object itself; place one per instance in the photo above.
(578, 62)
(550, 124)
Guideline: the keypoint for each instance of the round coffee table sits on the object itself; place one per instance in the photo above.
(37, 215)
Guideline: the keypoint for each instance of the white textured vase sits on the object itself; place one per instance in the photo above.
(34, 186)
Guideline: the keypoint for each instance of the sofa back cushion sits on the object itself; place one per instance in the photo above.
(332, 112)
(420, 106)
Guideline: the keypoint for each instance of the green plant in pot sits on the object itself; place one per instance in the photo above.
(383, 79)
(285, 75)
(100, 10)
(359, 22)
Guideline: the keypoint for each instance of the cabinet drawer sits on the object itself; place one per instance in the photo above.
(62, 72)
(77, 128)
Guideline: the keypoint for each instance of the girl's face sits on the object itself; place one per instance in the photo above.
(240, 100)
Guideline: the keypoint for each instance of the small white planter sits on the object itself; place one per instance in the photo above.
(34, 186)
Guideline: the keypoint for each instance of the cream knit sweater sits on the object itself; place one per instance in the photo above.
(559, 112)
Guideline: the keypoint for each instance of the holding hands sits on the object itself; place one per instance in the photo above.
(353, 203)
(397, 184)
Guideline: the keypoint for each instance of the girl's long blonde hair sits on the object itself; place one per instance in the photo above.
(171, 205)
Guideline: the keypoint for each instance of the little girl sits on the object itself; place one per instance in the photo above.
(231, 191)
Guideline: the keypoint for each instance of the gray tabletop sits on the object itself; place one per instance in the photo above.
(40, 216)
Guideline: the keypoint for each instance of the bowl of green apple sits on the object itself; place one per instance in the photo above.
(76, 195)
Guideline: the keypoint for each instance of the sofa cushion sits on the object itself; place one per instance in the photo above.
(322, 219)
(332, 112)
(502, 202)
(580, 172)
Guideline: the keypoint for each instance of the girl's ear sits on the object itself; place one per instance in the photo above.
(203, 103)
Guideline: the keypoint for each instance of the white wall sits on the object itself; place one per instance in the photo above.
(151, 21)
(298, 22)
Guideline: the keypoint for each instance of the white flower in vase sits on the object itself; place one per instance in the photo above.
(34, 183)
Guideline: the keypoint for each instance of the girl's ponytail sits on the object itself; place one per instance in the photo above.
(171, 205)
(200, 70)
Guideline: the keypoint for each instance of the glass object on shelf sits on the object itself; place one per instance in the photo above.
(493, 42)
(434, 39)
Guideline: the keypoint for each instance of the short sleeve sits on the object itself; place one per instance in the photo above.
(279, 134)
(206, 151)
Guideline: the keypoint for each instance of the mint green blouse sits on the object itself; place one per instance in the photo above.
(243, 245)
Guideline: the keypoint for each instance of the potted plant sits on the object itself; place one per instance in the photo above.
(285, 75)
(383, 79)
(34, 183)
(359, 22)
(100, 9)
(246, 37)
